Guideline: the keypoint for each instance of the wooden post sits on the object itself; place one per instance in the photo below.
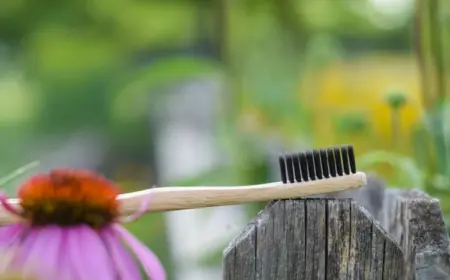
(415, 221)
(313, 238)
(335, 237)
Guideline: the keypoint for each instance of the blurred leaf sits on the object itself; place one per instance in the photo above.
(139, 25)
(438, 128)
(410, 175)
(17, 145)
(18, 103)
(18, 172)
(69, 54)
(130, 97)
(422, 149)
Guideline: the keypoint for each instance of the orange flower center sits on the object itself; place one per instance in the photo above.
(68, 197)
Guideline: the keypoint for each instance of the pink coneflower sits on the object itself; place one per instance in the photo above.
(70, 231)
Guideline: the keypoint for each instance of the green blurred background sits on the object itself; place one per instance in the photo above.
(208, 92)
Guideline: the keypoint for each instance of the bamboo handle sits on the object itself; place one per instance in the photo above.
(179, 198)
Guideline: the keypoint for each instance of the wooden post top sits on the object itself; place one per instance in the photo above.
(367, 233)
(313, 239)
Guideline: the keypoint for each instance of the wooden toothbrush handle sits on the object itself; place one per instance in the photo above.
(179, 198)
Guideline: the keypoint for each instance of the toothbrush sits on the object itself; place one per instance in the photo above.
(302, 174)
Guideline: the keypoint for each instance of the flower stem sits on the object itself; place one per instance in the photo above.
(19, 171)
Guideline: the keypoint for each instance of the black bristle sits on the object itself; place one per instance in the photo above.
(317, 166)
(290, 169)
(351, 159)
(310, 162)
(345, 163)
(324, 161)
(298, 176)
(303, 166)
(282, 164)
(337, 158)
(331, 162)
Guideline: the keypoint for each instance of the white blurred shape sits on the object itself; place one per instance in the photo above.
(186, 147)
(391, 6)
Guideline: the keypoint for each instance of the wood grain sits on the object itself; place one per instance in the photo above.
(415, 221)
(313, 239)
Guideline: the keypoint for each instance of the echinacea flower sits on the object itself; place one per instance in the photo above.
(69, 230)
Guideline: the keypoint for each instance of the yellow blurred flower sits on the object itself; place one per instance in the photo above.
(349, 102)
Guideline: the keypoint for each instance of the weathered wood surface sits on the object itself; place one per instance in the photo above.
(313, 238)
(417, 223)
(414, 220)
(331, 237)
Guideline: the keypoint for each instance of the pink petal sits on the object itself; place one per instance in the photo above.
(88, 255)
(125, 264)
(66, 270)
(143, 208)
(148, 259)
(10, 233)
(40, 253)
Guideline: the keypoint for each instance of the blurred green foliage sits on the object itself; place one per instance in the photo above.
(428, 166)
